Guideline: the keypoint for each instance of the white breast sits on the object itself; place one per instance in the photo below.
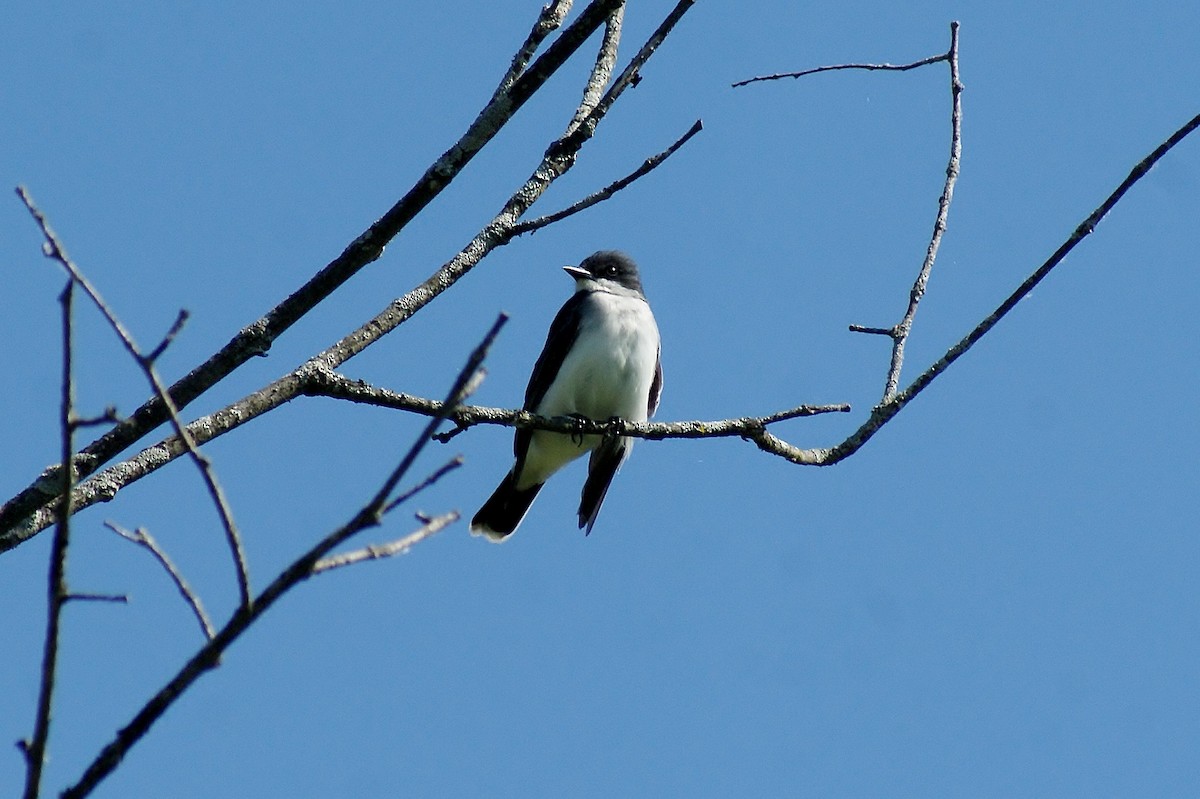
(609, 370)
(607, 373)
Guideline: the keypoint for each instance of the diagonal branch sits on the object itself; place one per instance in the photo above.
(651, 163)
(400, 546)
(142, 538)
(549, 20)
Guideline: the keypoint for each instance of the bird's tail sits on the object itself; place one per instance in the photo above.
(504, 509)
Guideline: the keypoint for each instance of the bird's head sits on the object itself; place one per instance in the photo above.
(607, 270)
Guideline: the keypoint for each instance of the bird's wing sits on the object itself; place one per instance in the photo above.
(563, 332)
(656, 385)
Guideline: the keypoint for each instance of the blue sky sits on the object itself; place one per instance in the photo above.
(995, 597)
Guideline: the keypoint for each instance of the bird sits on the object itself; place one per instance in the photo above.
(602, 359)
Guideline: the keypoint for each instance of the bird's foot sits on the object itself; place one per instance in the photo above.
(577, 433)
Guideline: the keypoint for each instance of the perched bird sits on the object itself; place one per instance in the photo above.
(601, 360)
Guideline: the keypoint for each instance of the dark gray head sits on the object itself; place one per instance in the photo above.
(607, 270)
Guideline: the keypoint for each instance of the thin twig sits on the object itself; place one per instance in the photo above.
(875, 331)
(57, 591)
(109, 416)
(54, 249)
(608, 191)
(169, 338)
(122, 599)
(892, 67)
(429, 480)
(630, 76)
(142, 538)
(400, 546)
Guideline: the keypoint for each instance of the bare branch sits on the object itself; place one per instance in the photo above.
(177, 326)
(54, 249)
(1082, 231)
(438, 474)
(549, 20)
(899, 332)
(606, 61)
(933, 59)
(142, 538)
(109, 416)
(122, 599)
(608, 191)
(331, 384)
(874, 331)
(57, 591)
(400, 546)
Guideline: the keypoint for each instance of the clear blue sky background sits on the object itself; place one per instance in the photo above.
(996, 597)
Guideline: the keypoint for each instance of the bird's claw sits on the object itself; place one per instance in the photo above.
(577, 433)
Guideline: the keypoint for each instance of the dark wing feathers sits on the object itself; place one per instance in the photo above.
(656, 385)
(563, 332)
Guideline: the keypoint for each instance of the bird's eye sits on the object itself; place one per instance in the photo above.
(612, 270)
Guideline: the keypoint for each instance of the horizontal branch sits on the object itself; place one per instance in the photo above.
(75, 596)
(933, 59)
(326, 383)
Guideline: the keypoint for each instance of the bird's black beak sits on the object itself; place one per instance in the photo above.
(577, 272)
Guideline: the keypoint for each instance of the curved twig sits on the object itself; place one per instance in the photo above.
(142, 538)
